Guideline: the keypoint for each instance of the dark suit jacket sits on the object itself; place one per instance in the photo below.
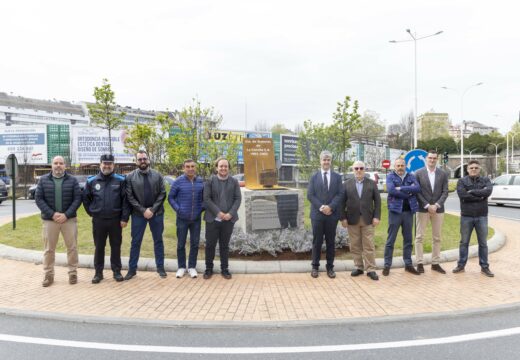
(212, 199)
(368, 206)
(318, 196)
(440, 189)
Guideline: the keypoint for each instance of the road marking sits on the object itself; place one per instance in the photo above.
(260, 350)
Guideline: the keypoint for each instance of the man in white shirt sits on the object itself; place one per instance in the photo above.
(434, 192)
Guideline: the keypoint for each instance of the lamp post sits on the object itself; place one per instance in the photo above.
(415, 39)
(470, 152)
(496, 156)
(462, 124)
(512, 147)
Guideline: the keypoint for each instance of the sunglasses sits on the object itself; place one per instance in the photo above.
(359, 168)
(142, 159)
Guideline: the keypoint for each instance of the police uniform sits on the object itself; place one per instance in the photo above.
(104, 199)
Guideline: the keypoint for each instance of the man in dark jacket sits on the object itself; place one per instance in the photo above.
(222, 199)
(361, 214)
(58, 196)
(186, 200)
(146, 193)
(104, 199)
(473, 191)
(402, 203)
(325, 193)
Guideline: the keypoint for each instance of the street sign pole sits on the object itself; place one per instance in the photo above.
(13, 182)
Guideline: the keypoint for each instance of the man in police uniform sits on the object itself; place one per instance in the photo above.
(104, 199)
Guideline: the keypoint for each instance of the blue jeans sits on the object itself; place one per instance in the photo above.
(404, 221)
(138, 227)
(467, 224)
(182, 233)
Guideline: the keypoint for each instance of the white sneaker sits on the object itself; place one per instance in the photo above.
(180, 273)
(192, 272)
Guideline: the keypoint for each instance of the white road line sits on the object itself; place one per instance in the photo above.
(260, 350)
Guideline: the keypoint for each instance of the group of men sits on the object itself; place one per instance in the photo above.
(357, 204)
(112, 199)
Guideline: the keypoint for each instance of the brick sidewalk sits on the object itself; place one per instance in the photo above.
(270, 297)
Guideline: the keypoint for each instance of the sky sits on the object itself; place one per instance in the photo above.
(268, 62)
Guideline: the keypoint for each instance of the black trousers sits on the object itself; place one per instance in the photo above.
(102, 228)
(320, 229)
(218, 231)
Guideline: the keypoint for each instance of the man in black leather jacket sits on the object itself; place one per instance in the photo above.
(473, 191)
(146, 193)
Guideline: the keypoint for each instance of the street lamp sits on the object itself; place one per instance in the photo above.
(512, 147)
(470, 152)
(415, 39)
(462, 124)
(496, 156)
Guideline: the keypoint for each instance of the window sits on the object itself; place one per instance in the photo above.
(502, 180)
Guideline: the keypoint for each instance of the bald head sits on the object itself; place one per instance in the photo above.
(58, 166)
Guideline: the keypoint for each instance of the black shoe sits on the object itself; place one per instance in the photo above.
(420, 268)
(97, 278)
(118, 277)
(207, 274)
(356, 272)
(315, 273)
(458, 269)
(411, 270)
(386, 271)
(331, 273)
(130, 274)
(487, 272)
(161, 272)
(372, 275)
(438, 268)
(226, 274)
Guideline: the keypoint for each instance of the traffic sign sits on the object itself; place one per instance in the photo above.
(415, 159)
(386, 164)
(11, 165)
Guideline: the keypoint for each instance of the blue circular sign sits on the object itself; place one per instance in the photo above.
(415, 159)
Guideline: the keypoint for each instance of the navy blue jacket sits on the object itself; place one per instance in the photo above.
(317, 195)
(105, 197)
(186, 197)
(409, 186)
(70, 197)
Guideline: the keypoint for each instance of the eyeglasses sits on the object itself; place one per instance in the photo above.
(359, 168)
(142, 159)
(473, 168)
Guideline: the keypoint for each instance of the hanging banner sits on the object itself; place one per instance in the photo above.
(89, 143)
(28, 143)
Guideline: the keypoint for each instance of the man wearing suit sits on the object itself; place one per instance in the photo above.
(325, 192)
(361, 213)
(431, 198)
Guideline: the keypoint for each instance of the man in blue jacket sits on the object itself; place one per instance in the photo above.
(58, 197)
(402, 204)
(325, 192)
(104, 199)
(186, 200)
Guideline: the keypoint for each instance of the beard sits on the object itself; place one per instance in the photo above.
(143, 166)
(107, 171)
(58, 173)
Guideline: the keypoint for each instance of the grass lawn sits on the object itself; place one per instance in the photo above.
(28, 235)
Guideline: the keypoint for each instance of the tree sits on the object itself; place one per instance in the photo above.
(280, 129)
(103, 113)
(400, 134)
(345, 122)
(440, 144)
(261, 126)
(371, 126)
(313, 139)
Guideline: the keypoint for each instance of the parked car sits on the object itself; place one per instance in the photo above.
(169, 179)
(506, 190)
(31, 191)
(241, 179)
(380, 179)
(3, 191)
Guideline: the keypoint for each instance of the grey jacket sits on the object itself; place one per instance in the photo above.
(367, 207)
(440, 189)
(211, 198)
(135, 192)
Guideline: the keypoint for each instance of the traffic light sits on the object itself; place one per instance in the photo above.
(445, 158)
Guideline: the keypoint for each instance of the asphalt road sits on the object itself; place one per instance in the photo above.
(494, 335)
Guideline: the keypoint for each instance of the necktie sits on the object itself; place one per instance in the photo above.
(325, 181)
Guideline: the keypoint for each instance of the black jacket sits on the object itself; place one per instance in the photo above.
(135, 192)
(71, 196)
(105, 197)
(473, 194)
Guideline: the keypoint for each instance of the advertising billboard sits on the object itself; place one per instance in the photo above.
(89, 143)
(28, 143)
